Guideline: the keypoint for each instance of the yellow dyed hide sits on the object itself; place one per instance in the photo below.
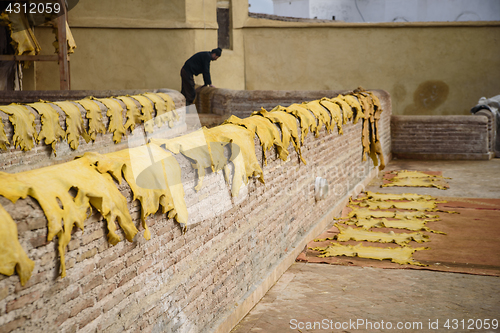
(94, 116)
(307, 120)
(335, 113)
(12, 255)
(115, 116)
(134, 115)
(51, 130)
(4, 141)
(399, 255)
(24, 125)
(348, 233)
(74, 124)
(147, 112)
(51, 186)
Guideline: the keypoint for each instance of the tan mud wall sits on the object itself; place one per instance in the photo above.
(183, 282)
(427, 69)
(440, 137)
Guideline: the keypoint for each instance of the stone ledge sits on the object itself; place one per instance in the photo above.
(444, 156)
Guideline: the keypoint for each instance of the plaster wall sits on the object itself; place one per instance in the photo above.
(391, 10)
(427, 68)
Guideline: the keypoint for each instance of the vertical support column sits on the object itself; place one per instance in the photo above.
(63, 48)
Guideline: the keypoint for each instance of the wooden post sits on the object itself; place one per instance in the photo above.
(63, 48)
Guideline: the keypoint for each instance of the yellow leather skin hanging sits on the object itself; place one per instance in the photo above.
(94, 115)
(74, 124)
(23, 122)
(51, 129)
(12, 255)
(115, 116)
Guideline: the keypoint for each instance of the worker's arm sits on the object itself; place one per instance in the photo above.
(206, 72)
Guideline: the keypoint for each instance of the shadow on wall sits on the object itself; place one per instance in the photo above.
(427, 97)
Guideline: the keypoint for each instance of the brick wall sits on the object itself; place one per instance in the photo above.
(440, 137)
(203, 280)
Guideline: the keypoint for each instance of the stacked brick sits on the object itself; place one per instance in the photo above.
(182, 281)
(440, 137)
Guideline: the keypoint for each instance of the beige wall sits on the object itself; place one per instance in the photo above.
(427, 69)
(441, 68)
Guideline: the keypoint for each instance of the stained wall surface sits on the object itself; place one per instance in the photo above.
(193, 281)
(427, 68)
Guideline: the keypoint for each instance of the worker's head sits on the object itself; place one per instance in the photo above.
(216, 53)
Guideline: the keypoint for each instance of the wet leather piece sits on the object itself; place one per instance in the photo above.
(12, 255)
(147, 112)
(347, 113)
(115, 116)
(268, 134)
(51, 129)
(354, 104)
(320, 113)
(159, 186)
(51, 185)
(375, 196)
(164, 110)
(244, 159)
(413, 224)
(399, 255)
(74, 124)
(23, 122)
(288, 125)
(4, 141)
(307, 120)
(196, 147)
(335, 113)
(133, 114)
(23, 38)
(406, 178)
(358, 234)
(94, 116)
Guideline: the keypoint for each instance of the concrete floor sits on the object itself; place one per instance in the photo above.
(356, 299)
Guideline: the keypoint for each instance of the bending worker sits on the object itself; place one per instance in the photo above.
(197, 64)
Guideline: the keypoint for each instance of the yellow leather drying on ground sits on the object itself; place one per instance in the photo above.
(94, 116)
(74, 124)
(23, 122)
(164, 110)
(196, 147)
(23, 39)
(244, 159)
(416, 174)
(307, 120)
(399, 255)
(357, 234)
(288, 125)
(51, 185)
(375, 196)
(51, 129)
(320, 113)
(12, 255)
(335, 113)
(115, 116)
(4, 141)
(364, 213)
(347, 113)
(154, 176)
(413, 224)
(147, 112)
(414, 182)
(411, 205)
(354, 104)
(267, 132)
(133, 114)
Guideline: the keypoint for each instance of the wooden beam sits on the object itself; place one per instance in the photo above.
(63, 48)
(50, 57)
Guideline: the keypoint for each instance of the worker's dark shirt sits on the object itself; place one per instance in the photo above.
(199, 64)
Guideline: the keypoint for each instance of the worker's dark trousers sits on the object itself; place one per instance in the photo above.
(188, 87)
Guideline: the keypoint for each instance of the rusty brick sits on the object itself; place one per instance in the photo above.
(15, 324)
(22, 301)
(97, 280)
(71, 295)
(107, 259)
(92, 236)
(127, 277)
(106, 291)
(133, 289)
(87, 254)
(113, 302)
(38, 241)
(4, 292)
(112, 271)
(89, 317)
(81, 305)
(61, 318)
(147, 264)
